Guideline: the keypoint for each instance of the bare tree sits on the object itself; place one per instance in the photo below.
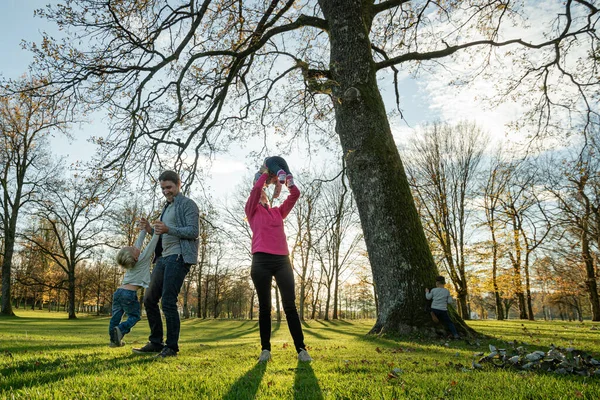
(301, 254)
(339, 237)
(186, 78)
(574, 183)
(442, 166)
(26, 121)
(527, 225)
(73, 211)
(493, 188)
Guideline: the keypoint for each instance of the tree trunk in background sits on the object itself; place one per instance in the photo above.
(528, 289)
(10, 228)
(6, 307)
(400, 258)
(590, 281)
(71, 293)
(277, 303)
(336, 295)
(499, 309)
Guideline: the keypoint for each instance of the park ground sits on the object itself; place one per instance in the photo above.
(46, 356)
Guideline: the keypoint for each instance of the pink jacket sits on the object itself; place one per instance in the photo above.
(266, 223)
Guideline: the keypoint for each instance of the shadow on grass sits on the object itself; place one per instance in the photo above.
(216, 333)
(34, 373)
(310, 332)
(275, 327)
(306, 384)
(246, 386)
(341, 331)
(50, 347)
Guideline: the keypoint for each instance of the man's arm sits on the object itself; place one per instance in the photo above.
(191, 217)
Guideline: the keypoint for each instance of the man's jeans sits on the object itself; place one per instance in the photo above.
(124, 302)
(167, 278)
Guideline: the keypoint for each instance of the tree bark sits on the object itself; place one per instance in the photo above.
(71, 293)
(9, 242)
(401, 261)
(498, 299)
(590, 281)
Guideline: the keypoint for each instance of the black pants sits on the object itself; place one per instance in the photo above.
(264, 268)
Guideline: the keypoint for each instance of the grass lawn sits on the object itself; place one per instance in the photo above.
(46, 356)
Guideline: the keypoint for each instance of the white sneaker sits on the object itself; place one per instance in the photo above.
(265, 356)
(303, 356)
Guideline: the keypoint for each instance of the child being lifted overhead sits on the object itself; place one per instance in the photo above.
(125, 299)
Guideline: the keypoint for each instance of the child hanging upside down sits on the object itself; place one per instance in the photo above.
(125, 299)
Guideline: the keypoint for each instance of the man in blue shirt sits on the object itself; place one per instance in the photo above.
(176, 252)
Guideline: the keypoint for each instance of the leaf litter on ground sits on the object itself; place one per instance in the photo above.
(558, 360)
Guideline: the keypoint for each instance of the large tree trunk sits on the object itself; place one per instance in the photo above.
(9, 247)
(6, 308)
(400, 258)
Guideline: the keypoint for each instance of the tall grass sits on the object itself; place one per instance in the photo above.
(43, 356)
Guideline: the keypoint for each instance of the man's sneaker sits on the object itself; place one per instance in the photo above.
(303, 356)
(265, 355)
(166, 352)
(149, 348)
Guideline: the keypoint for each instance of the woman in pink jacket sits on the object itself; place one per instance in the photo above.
(270, 255)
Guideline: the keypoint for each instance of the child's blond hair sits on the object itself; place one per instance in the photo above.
(125, 258)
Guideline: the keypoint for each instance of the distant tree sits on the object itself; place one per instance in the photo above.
(494, 185)
(443, 166)
(574, 182)
(126, 217)
(528, 226)
(26, 121)
(338, 238)
(73, 212)
(303, 220)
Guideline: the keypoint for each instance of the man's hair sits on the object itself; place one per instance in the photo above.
(170, 176)
(125, 258)
(440, 279)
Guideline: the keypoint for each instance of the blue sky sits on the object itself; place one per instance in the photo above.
(17, 24)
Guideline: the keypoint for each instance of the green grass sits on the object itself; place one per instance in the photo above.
(46, 356)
